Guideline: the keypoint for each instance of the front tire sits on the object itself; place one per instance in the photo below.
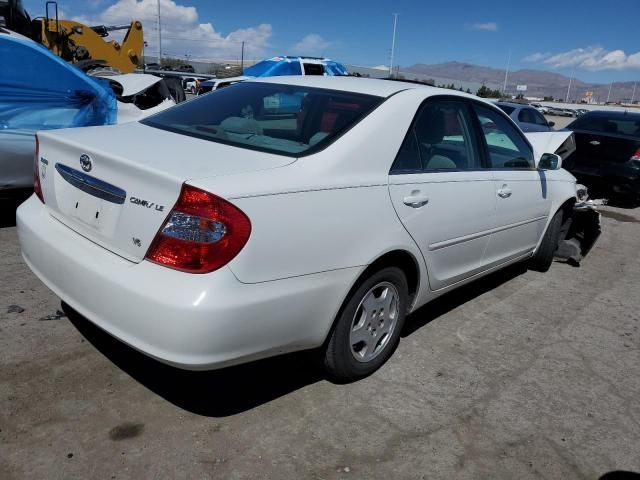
(368, 327)
(543, 258)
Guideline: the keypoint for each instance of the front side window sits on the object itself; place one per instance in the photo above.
(440, 139)
(283, 119)
(506, 146)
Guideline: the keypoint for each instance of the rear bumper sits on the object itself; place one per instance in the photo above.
(189, 321)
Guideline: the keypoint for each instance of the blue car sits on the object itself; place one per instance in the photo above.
(279, 66)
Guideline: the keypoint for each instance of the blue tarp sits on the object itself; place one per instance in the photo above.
(285, 65)
(39, 90)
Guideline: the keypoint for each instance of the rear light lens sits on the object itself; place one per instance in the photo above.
(37, 186)
(634, 161)
(202, 233)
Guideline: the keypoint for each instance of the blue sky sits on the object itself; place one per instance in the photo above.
(600, 43)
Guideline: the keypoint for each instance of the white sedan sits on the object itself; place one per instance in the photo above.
(290, 213)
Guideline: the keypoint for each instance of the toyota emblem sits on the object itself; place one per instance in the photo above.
(85, 162)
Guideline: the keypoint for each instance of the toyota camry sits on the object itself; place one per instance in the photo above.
(292, 213)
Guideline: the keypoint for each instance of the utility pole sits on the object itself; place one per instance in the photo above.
(159, 36)
(393, 43)
(566, 100)
(633, 95)
(506, 74)
(609, 94)
(242, 58)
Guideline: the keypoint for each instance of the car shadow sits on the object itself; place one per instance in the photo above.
(9, 202)
(620, 475)
(215, 393)
(232, 390)
(447, 302)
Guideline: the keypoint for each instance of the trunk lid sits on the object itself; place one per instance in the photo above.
(116, 185)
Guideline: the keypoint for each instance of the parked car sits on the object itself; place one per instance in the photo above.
(607, 151)
(30, 101)
(556, 111)
(191, 85)
(528, 118)
(186, 68)
(152, 66)
(279, 231)
(279, 66)
(541, 108)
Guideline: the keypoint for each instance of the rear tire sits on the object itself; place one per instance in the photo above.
(368, 327)
(543, 258)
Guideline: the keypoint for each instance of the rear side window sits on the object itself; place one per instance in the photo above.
(526, 116)
(506, 146)
(282, 119)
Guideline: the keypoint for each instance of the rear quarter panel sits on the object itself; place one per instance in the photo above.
(326, 211)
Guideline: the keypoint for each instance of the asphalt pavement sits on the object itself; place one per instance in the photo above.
(519, 375)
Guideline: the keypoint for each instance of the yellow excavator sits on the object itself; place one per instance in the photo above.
(86, 46)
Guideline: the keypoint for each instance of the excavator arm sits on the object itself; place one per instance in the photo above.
(74, 41)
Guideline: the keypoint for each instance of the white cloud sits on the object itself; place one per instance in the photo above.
(487, 27)
(182, 32)
(380, 67)
(312, 44)
(590, 58)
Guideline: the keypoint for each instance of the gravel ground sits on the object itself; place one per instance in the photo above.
(519, 375)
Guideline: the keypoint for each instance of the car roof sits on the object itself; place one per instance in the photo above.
(369, 86)
(514, 104)
(614, 114)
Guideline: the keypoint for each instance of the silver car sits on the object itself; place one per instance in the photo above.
(528, 118)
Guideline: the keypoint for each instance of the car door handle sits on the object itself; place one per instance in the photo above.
(504, 192)
(594, 142)
(416, 199)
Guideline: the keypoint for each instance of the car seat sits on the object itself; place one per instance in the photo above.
(431, 133)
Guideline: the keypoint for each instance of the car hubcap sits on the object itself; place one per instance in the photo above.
(374, 321)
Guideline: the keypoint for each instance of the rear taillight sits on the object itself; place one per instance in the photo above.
(37, 186)
(636, 156)
(202, 233)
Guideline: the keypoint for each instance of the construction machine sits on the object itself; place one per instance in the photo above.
(86, 46)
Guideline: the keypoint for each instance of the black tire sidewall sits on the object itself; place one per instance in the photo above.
(543, 258)
(339, 360)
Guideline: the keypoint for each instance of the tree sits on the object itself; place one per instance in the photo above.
(484, 92)
(468, 90)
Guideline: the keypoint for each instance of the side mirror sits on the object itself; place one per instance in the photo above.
(550, 161)
(551, 124)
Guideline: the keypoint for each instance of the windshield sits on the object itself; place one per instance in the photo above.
(283, 119)
(274, 67)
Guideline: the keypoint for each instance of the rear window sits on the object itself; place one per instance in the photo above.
(603, 124)
(506, 109)
(283, 119)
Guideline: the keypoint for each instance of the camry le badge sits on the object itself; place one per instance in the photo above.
(85, 162)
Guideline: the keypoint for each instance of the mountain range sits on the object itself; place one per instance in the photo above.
(540, 83)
